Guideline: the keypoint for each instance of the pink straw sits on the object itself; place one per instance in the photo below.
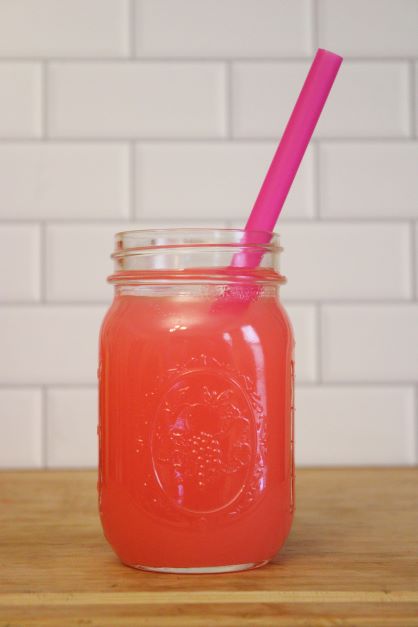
(291, 149)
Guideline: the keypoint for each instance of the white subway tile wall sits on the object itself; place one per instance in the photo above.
(118, 114)
(71, 427)
(49, 344)
(68, 28)
(21, 441)
(367, 343)
(45, 180)
(358, 260)
(211, 179)
(223, 28)
(368, 180)
(144, 99)
(20, 100)
(375, 28)
(370, 99)
(332, 430)
(20, 262)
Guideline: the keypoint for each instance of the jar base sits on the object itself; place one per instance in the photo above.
(201, 570)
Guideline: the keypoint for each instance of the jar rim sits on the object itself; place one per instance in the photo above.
(137, 240)
(203, 229)
(196, 254)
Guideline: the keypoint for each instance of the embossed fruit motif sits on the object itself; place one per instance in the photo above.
(202, 446)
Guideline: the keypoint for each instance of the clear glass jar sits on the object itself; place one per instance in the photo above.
(196, 402)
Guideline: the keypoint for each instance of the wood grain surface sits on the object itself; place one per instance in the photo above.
(351, 559)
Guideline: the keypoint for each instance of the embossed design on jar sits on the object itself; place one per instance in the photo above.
(205, 437)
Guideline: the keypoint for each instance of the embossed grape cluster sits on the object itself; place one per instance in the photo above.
(203, 451)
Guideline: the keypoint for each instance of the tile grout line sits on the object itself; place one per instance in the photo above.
(43, 264)
(228, 102)
(44, 427)
(44, 101)
(132, 29)
(132, 181)
(279, 58)
(170, 221)
(314, 24)
(416, 425)
(412, 100)
(314, 19)
(315, 146)
(413, 259)
(318, 343)
(316, 176)
(203, 139)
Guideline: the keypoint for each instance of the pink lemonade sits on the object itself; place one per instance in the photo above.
(196, 429)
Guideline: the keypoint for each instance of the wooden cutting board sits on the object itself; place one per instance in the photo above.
(351, 559)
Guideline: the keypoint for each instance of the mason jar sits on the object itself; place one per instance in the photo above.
(196, 402)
